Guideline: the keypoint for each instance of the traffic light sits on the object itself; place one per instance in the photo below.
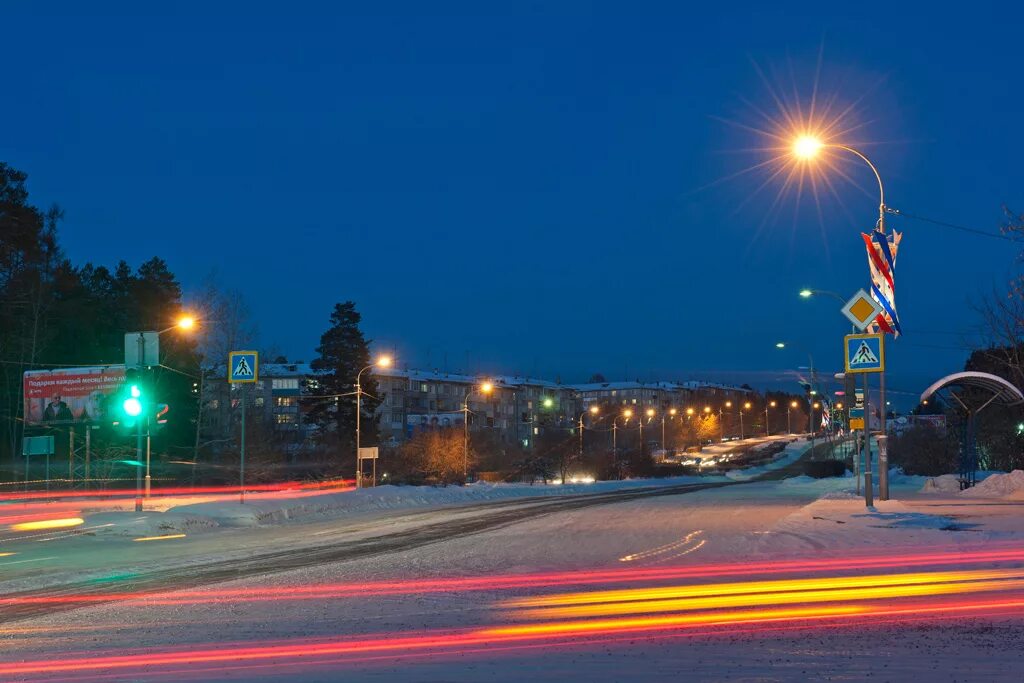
(132, 404)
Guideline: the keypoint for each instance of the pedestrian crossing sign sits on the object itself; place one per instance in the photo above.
(243, 367)
(864, 353)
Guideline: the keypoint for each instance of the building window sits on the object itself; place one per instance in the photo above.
(259, 401)
(282, 401)
(214, 404)
(285, 384)
(424, 388)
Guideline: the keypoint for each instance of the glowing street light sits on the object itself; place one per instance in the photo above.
(485, 388)
(381, 362)
(767, 432)
(806, 147)
(186, 322)
(593, 410)
(626, 414)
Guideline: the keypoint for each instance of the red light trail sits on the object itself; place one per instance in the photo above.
(831, 596)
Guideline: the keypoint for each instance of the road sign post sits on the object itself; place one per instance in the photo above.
(367, 453)
(865, 354)
(243, 368)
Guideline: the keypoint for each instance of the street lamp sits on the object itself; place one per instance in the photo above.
(183, 323)
(767, 432)
(382, 362)
(626, 414)
(593, 410)
(746, 406)
(650, 414)
(721, 420)
(671, 412)
(789, 416)
(806, 148)
(486, 388)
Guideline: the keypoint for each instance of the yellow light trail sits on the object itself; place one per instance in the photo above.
(7, 554)
(48, 524)
(641, 623)
(158, 538)
(781, 598)
(760, 587)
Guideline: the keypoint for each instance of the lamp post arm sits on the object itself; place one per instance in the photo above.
(878, 177)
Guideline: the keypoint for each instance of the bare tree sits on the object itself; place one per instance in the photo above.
(437, 454)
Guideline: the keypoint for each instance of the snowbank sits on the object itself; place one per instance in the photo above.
(999, 486)
(947, 483)
(259, 510)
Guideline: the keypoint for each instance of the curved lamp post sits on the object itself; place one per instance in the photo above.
(382, 362)
(486, 388)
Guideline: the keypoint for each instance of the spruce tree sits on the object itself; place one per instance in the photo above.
(342, 353)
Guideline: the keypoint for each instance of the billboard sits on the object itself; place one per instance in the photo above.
(70, 395)
(421, 423)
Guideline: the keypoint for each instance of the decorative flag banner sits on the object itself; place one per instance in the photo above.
(882, 250)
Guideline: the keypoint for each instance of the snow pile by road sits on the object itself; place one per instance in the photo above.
(946, 483)
(1009, 485)
(259, 510)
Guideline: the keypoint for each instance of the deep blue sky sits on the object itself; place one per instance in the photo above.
(526, 187)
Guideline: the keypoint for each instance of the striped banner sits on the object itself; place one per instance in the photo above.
(882, 250)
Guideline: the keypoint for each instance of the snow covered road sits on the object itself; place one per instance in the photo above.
(776, 580)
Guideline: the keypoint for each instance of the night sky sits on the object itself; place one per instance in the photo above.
(543, 190)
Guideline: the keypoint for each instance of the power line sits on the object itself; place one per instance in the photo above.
(964, 228)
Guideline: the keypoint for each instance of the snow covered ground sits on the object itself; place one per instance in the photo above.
(441, 612)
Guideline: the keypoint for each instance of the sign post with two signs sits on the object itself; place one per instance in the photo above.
(243, 368)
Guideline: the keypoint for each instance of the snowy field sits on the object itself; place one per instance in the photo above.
(550, 597)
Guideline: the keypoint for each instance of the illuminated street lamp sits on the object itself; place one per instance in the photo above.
(626, 414)
(789, 416)
(807, 148)
(746, 406)
(381, 362)
(767, 432)
(672, 414)
(593, 410)
(486, 388)
(650, 414)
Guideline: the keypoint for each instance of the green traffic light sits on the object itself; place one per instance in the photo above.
(132, 407)
(133, 404)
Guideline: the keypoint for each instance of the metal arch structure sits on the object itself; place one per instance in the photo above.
(1001, 393)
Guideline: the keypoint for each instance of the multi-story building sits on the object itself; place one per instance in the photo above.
(274, 400)
(517, 408)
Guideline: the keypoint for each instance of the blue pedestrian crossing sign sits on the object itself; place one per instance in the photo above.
(243, 366)
(864, 353)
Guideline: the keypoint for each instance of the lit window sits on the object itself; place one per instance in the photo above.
(259, 401)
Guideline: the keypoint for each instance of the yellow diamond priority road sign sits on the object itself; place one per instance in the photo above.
(861, 310)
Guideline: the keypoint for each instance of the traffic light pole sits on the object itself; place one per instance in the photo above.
(138, 464)
(149, 437)
(138, 437)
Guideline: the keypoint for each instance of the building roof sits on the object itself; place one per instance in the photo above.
(507, 381)
(623, 386)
